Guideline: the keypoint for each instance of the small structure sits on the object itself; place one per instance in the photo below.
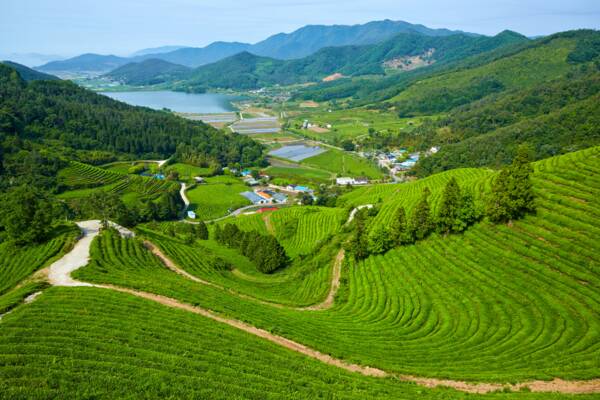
(361, 180)
(199, 179)
(344, 181)
(191, 215)
(254, 198)
(250, 181)
(352, 181)
(266, 209)
(298, 189)
(246, 172)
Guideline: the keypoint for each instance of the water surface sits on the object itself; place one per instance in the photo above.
(177, 101)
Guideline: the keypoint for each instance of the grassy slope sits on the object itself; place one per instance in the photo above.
(343, 164)
(497, 303)
(219, 194)
(57, 347)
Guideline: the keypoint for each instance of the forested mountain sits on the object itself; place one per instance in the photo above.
(298, 44)
(149, 72)
(96, 63)
(309, 39)
(156, 50)
(29, 74)
(43, 123)
(196, 56)
(405, 51)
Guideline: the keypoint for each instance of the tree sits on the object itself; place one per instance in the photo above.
(108, 205)
(202, 231)
(468, 213)
(358, 244)
(379, 240)
(449, 208)
(271, 255)
(512, 193)
(27, 214)
(399, 228)
(421, 224)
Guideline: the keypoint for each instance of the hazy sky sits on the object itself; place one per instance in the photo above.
(69, 27)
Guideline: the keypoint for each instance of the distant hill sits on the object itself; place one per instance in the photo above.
(195, 57)
(28, 74)
(148, 72)
(410, 50)
(298, 44)
(85, 63)
(309, 39)
(156, 50)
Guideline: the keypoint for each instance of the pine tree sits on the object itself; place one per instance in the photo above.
(468, 213)
(421, 224)
(512, 193)
(449, 208)
(202, 231)
(379, 240)
(399, 228)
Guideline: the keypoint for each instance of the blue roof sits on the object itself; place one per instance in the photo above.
(253, 197)
(301, 188)
(246, 172)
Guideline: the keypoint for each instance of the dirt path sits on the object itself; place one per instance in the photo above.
(335, 285)
(60, 275)
(268, 224)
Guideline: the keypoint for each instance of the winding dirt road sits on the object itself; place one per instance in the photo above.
(60, 275)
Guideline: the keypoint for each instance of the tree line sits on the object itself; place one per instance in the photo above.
(511, 198)
(264, 250)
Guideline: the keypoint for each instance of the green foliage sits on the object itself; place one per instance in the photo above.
(450, 207)
(82, 121)
(266, 252)
(519, 295)
(28, 214)
(399, 229)
(512, 193)
(380, 240)
(421, 223)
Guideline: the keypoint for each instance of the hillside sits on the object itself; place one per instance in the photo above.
(90, 63)
(28, 74)
(248, 71)
(499, 303)
(44, 122)
(149, 72)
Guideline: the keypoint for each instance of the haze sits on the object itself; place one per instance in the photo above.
(70, 27)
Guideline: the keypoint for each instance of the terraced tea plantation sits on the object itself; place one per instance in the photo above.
(497, 304)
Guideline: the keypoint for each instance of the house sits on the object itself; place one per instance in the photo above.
(199, 179)
(361, 180)
(246, 172)
(191, 215)
(250, 181)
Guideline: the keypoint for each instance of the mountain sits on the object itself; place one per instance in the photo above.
(90, 63)
(298, 44)
(311, 38)
(148, 72)
(28, 74)
(194, 57)
(156, 50)
(405, 51)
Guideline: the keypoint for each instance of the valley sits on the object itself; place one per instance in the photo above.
(371, 211)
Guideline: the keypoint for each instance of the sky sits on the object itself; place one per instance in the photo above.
(71, 27)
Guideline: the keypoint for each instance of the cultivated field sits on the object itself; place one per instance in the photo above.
(214, 198)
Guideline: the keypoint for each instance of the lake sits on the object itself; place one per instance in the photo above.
(177, 101)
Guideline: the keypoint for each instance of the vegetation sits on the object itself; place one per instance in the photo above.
(147, 72)
(343, 164)
(217, 197)
(264, 250)
(190, 356)
(525, 325)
